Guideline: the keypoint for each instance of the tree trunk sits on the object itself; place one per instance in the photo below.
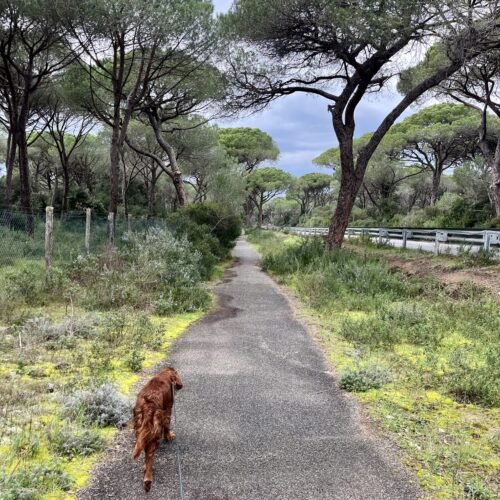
(174, 167)
(114, 172)
(349, 187)
(24, 175)
(152, 195)
(436, 182)
(10, 161)
(65, 200)
(261, 211)
(248, 208)
(56, 188)
(179, 188)
(124, 184)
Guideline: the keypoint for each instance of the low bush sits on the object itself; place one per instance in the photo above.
(182, 299)
(152, 268)
(69, 441)
(364, 379)
(42, 329)
(102, 407)
(474, 379)
(26, 284)
(135, 359)
(31, 483)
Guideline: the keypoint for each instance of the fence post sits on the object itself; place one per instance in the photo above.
(487, 241)
(436, 244)
(111, 228)
(88, 217)
(49, 236)
(405, 238)
(380, 236)
(129, 223)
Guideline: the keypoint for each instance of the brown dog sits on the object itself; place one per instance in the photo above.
(152, 413)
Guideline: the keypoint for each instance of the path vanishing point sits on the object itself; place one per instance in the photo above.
(260, 415)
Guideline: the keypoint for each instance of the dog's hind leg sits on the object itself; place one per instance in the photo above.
(167, 433)
(148, 466)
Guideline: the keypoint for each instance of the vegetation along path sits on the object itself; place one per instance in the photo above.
(260, 415)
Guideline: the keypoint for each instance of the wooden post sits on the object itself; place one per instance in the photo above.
(88, 215)
(49, 236)
(111, 228)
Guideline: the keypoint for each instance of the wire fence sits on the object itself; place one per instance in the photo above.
(68, 235)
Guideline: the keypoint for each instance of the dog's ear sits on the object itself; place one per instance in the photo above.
(177, 379)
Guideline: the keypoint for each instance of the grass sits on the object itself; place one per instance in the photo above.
(424, 361)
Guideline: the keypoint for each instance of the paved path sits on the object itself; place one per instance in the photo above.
(259, 416)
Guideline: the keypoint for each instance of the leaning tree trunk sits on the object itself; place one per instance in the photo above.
(179, 188)
(349, 187)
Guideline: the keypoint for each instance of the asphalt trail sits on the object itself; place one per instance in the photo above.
(260, 416)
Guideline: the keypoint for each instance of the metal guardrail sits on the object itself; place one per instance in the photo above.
(487, 239)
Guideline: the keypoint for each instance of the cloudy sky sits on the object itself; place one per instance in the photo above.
(301, 125)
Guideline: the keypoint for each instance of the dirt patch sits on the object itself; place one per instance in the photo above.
(486, 278)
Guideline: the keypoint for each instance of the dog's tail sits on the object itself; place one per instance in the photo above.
(148, 425)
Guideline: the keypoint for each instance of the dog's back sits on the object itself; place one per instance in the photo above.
(152, 409)
(152, 413)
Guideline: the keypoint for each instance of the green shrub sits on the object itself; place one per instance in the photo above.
(102, 406)
(148, 269)
(225, 227)
(211, 231)
(364, 379)
(31, 483)
(144, 332)
(481, 258)
(69, 441)
(25, 284)
(475, 377)
(135, 359)
(182, 299)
